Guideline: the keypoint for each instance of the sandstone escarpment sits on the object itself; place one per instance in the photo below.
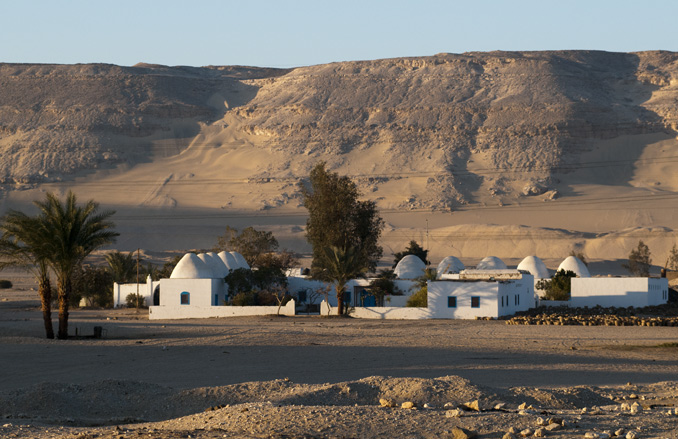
(507, 124)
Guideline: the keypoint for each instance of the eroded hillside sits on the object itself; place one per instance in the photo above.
(438, 131)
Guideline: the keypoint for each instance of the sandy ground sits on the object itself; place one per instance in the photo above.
(309, 376)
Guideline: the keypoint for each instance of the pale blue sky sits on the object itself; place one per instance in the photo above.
(296, 33)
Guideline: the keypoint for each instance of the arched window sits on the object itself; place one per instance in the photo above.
(185, 298)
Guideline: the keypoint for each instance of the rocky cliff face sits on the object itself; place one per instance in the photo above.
(504, 122)
(58, 119)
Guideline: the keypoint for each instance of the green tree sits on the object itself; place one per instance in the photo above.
(412, 249)
(23, 245)
(559, 287)
(74, 231)
(263, 280)
(122, 266)
(342, 266)
(639, 260)
(420, 297)
(336, 218)
(254, 245)
(383, 285)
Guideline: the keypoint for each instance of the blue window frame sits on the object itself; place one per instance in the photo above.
(451, 302)
(475, 302)
(185, 298)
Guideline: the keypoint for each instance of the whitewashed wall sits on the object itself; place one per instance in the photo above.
(121, 291)
(202, 292)
(200, 312)
(497, 298)
(295, 284)
(523, 289)
(381, 313)
(439, 291)
(618, 291)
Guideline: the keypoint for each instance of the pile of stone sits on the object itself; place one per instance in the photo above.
(550, 319)
(666, 315)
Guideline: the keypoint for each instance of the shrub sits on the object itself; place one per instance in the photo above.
(418, 299)
(244, 299)
(4, 284)
(133, 300)
(559, 287)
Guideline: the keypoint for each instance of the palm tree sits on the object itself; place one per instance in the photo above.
(342, 266)
(23, 245)
(74, 232)
(122, 266)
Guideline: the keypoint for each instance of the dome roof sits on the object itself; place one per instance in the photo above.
(448, 265)
(572, 263)
(491, 263)
(535, 267)
(228, 260)
(242, 263)
(218, 267)
(191, 267)
(209, 262)
(410, 267)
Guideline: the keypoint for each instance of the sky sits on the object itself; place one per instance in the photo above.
(290, 33)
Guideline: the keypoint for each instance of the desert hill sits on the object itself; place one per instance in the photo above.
(582, 141)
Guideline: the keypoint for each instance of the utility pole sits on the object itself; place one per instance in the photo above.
(427, 243)
(138, 280)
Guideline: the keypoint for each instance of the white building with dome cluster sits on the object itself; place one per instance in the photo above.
(197, 289)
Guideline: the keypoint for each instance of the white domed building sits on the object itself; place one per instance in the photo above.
(191, 266)
(491, 263)
(535, 267)
(228, 260)
(410, 267)
(574, 264)
(240, 260)
(449, 265)
(197, 288)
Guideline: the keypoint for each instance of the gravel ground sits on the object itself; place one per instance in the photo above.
(318, 377)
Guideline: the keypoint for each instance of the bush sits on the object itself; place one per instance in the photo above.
(133, 300)
(418, 299)
(559, 287)
(244, 299)
(4, 284)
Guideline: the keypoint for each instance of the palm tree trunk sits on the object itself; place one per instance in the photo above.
(45, 292)
(64, 296)
(340, 299)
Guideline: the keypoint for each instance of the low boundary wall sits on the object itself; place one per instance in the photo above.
(380, 312)
(197, 312)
